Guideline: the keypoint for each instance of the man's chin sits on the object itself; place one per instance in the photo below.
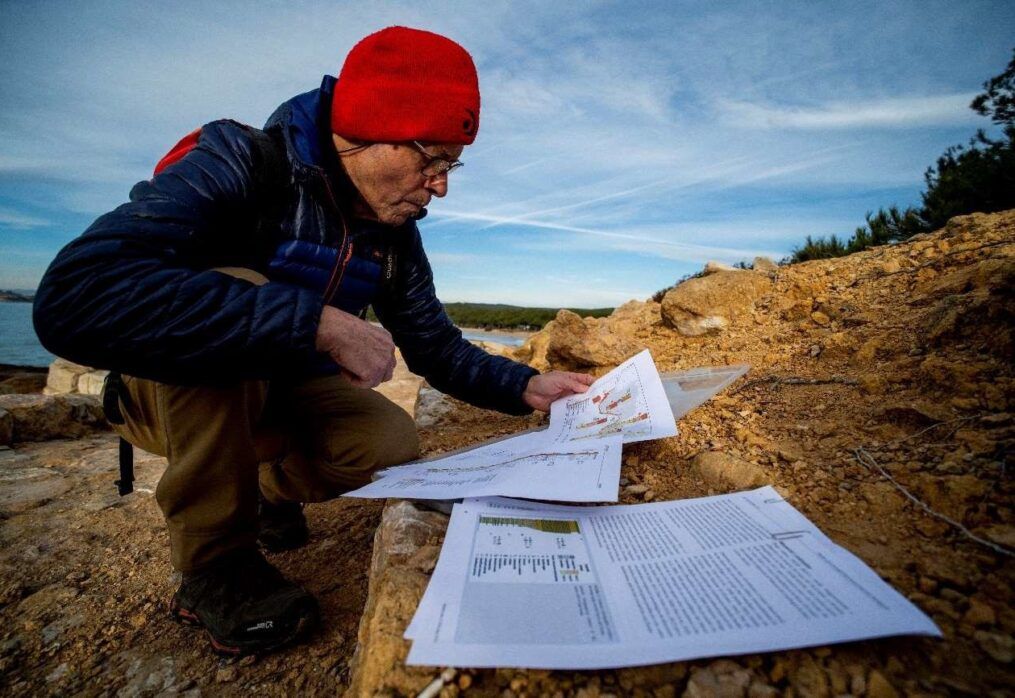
(397, 219)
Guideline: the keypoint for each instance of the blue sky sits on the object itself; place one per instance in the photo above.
(622, 144)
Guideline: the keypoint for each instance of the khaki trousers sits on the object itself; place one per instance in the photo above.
(299, 442)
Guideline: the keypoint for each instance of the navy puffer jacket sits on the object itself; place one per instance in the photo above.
(135, 292)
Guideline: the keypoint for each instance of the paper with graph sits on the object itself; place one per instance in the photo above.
(529, 465)
(522, 584)
(576, 459)
(629, 400)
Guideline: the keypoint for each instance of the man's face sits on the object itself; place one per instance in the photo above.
(389, 177)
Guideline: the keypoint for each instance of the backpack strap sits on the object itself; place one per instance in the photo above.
(271, 178)
(113, 391)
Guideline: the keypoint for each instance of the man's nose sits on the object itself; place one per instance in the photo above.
(438, 185)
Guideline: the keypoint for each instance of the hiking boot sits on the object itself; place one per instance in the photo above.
(281, 526)
(245, 604)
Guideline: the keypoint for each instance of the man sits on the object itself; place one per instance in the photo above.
(230, 293)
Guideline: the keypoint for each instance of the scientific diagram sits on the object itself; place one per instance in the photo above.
(618, 405)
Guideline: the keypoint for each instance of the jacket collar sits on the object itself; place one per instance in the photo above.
(305, 124)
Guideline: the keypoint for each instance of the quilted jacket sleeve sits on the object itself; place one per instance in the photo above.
(135, 292)
(435, 349)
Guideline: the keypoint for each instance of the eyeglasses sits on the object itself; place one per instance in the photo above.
(435, 166)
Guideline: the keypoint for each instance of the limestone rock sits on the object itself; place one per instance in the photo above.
(495, 348)
(979, 613)
(42, 417)
(91, 383)
(63, 377)
(28, 487)
(21, 381)
(583, 343)
(723, 470)
(764, 264)
(634, 316)
(533, 350)
(6, 428)
(714, 267)
(952, 496)
(1001, 648)
(431, 406)
(1002, 534)
(723, 679)
(891, 266)
(879, 687)
(406, 547)
(403, 388)
(710, 303)
(820, 318)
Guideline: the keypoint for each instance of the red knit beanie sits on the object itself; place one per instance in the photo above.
(403, 84)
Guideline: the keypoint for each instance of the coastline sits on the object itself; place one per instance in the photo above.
(513, 334)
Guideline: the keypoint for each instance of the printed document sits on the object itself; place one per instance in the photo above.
(524, 584)
(576, 459)
(629, 400)
(529, 465)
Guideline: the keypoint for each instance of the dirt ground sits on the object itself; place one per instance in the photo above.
(863, 369)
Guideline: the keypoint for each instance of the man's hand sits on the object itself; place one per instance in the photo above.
(365, 352)
(543, 389)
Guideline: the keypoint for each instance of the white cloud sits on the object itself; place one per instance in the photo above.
(895, 112)
(450, 258)
(737, 122)
(19, 221)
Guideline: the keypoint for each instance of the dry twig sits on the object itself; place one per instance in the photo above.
(867, 460)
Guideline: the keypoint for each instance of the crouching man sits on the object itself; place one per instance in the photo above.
(230, 293)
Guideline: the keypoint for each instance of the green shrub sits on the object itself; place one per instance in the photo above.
(965, 179)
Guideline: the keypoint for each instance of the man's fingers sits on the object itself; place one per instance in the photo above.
(579, 386)
(354, 380)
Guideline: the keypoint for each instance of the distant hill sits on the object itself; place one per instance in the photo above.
(16, 296)
(498, 316)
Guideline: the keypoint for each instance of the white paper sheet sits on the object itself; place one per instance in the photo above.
(521, 584)
(576, 459)
(529, 465)
(629, 400)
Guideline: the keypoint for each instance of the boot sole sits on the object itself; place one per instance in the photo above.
(188, 618)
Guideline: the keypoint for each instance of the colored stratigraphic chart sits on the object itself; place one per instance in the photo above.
(534, 551)
(628, 401)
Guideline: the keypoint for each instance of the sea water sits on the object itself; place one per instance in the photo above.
(19, 346)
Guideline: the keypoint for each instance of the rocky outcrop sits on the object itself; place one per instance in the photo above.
(403, 388)
(431, 406)
(406, 547)
(67, 377)
(764, 265)
(43, 417)
(714, 267)
(708, 304)
(728, 473)
(891, 362)
(884, 370)
(21, 379)
(576, 343)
